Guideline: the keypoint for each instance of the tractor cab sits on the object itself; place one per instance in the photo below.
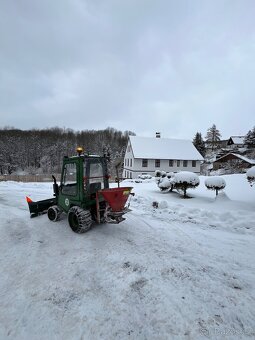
(82, 177)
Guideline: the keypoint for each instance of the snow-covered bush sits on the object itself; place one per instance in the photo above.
(170, 175)
(215, 183)
(185, 180)
(157, 176)
(250, 174)
(163, 174)
(157, 173)
(164, 183)
(180, 181)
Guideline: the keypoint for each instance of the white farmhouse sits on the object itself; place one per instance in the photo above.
(144, 155)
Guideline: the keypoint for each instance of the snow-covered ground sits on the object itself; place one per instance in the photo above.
(183, 271)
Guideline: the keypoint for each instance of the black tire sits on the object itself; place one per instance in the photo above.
(54, 213)
(80, 220)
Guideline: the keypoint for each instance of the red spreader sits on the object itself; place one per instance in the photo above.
(116, 197)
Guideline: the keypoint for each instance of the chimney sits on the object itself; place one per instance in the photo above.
(157, 134)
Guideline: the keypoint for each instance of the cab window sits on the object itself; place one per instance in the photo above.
(69, 183)
(96, 176)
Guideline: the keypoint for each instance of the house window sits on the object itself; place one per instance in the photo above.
(144, 163)
(131, 162)
(185, 164)
(194, 163)
(157, 163)
(171, 163)
(128, 162)
(178, 162)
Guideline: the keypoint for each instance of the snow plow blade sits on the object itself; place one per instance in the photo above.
(39, 207)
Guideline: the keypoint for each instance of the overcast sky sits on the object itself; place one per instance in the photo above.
(174, 66)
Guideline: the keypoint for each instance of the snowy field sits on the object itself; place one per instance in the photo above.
(183, 271)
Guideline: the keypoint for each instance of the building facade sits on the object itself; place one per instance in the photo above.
(146, 155)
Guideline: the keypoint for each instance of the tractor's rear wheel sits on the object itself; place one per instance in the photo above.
(54, 213)
(80, 220)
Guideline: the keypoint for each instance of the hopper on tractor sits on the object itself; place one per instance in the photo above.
(84, 194)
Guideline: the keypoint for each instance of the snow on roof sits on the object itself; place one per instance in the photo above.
(164, 148)
(250, 161)
(237, 139)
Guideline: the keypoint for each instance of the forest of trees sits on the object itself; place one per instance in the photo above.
(41, 151)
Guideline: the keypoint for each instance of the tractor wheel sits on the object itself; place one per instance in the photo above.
(79, 219)
(54, 213)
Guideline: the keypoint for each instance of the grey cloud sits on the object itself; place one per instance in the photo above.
(176, 67)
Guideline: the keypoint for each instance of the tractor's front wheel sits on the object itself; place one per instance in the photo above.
(79, 219)
(54, 213)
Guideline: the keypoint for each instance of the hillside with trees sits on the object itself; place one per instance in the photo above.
(41, 151)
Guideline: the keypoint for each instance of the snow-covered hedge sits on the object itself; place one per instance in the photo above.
(180, 181)
(251, 175)
(215, 183)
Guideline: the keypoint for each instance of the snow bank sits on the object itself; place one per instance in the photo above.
(251, 175)
(251, 172)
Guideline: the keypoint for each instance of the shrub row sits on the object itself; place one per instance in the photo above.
(181, 181)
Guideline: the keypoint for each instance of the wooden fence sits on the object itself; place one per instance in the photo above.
(29, 178)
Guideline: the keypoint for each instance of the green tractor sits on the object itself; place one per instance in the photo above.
(84, 194)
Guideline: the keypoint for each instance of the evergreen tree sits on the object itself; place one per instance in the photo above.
(213, 136)
(199, 143)
(249, 139)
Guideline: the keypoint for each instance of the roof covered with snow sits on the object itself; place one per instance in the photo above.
(164, 148)
(237, 139)
(248, 160)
